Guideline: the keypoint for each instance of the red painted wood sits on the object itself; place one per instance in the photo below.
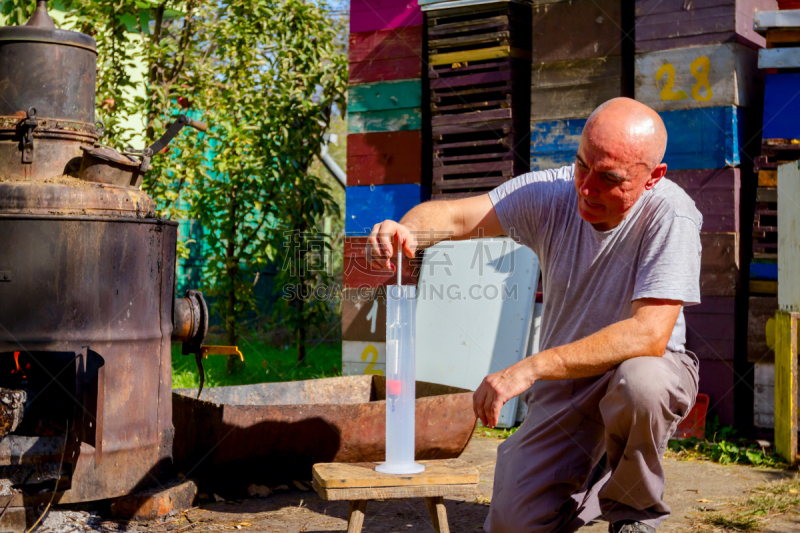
(357, 272)
(372, 17)
(386, 44)
(716, 194)
(384, 158)
(403, 68)
(358, 6)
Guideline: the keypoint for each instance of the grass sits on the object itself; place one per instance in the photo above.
(494, 433)
(263, 364)
(723, 447)
(765, 503)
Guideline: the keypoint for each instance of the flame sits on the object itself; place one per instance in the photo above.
(18, 369)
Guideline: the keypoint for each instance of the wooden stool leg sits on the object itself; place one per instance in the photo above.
(438, 514)
(355, 518)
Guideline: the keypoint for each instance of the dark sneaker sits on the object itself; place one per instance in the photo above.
(630, 526)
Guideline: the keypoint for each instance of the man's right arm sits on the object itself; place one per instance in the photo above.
(429, 223)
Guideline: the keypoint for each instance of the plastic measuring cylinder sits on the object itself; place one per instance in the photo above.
(400, 381)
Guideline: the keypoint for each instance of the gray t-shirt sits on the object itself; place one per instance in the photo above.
(591, 277)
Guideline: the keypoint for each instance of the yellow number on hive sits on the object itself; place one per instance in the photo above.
(370, 350)
(700, 68)
(666, 92)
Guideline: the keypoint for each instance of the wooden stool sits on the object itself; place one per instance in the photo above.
(359, 482)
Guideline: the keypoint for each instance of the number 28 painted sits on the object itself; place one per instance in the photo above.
(699, 68)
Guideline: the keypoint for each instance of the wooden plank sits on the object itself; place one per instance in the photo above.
(767, 194)
(767, 178)
(364, 475)
(781, 106)
(500, 127)
(703, 76)
(554, 143)
(388, 120)
(450, 4)
(465, 118)
(696, 27)
(764, 395)
(717, 380)
(370, 353)
(788, 239)
(470, 80)
(384, 158)
(358, 274)
(711, 327)
(361, 369)
(761, 329)
(786, 385)
(703, 138)
(719, 272)
(764, 21)
(386, 44)
(370, 205)
(779, 58)
(572, 89)
(654, 7)
(715, 193)
(782, 36)
(371, 18)
(385, 493)
(384, 95)
(364, 316)
(577, 30)
(358, 6)
(386, 70)
(482, 54)
(467, 40)
(758, 286)
(355, 515)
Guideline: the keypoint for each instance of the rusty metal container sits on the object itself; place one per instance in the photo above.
(47, 98)
(86, 288)
(277, 431)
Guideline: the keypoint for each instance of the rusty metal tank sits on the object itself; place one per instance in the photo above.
(86, 287)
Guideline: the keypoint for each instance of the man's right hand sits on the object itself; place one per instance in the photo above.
(382, 242)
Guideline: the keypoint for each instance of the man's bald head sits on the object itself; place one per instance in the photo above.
(629, 128)
(619, 158)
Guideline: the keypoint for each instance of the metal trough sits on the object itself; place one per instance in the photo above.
(279, 430)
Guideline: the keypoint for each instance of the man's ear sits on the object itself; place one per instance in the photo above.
(655, 176)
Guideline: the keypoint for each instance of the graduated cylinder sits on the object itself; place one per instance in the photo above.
(400, 382)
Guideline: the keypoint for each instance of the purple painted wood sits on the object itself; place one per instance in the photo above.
(717, 379)
(371, 17)
(662, 25)
(713, 305)
(472, 79)
(359, 6)
(715, 193)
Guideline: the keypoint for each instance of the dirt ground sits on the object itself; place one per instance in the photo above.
(298, 511)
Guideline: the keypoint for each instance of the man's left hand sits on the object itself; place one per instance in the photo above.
(496, 389)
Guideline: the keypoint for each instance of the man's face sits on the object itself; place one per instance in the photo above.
(608, 184)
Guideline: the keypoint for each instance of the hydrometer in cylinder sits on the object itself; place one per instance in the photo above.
(400, 379)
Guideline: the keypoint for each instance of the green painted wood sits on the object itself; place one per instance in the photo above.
(389, 120)
(384, 95)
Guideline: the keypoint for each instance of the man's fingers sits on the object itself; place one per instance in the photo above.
(488, 403)
(477, 403)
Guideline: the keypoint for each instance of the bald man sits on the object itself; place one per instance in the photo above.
(619, 248)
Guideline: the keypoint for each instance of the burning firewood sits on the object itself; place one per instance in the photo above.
(12, 405)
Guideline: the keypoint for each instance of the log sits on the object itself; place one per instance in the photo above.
(12, 409)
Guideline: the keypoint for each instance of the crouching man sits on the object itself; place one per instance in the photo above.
(619, 247)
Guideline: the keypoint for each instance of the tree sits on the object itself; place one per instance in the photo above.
(278, 77)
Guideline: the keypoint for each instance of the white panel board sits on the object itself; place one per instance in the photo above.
(360, 357)
(474, 312)
(789, 237)
(779, 58)
(785, 18)
(536, 328)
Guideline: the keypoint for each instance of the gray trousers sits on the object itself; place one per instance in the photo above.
(593, 446)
